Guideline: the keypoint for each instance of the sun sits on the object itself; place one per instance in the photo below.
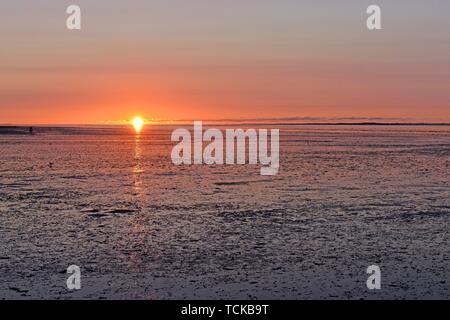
(138, 124)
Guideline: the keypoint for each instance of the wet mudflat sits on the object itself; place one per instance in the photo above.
(346, 197)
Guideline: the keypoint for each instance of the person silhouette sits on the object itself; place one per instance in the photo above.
(31, 130)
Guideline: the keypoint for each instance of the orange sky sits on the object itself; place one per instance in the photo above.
(252, 59)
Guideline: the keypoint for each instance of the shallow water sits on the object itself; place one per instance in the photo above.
(139, 227)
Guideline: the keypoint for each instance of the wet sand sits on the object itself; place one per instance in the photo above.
(139, 227)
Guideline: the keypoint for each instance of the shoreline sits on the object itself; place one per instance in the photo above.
(21, 127)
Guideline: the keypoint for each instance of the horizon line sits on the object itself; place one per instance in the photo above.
(366, 123)
(307, 120)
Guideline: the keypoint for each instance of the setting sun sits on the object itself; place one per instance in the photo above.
(138, 124)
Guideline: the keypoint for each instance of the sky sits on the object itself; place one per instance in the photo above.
(234, 59)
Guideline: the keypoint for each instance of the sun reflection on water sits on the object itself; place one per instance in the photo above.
(138, 169)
